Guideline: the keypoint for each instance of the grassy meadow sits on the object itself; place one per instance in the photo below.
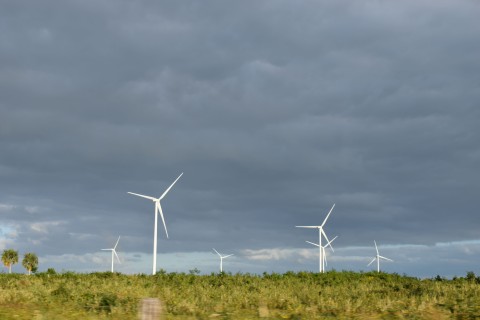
(303, 295)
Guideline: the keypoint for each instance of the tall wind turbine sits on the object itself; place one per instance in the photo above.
(221, 259)
(114, 252)
(320, 233)
(378, 257)
(324, 261)
(158, 210)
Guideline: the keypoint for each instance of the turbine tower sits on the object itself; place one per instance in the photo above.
(320, 233)
(221, 259)
(114, 252)
(324, 261)
(378, 257)
(158, 210)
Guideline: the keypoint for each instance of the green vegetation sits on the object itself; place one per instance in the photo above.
(303, 295)
(30, 262)
(9, 258)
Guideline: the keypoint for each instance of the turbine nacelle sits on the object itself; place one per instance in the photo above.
(114, 252)
(378, 257)
(322, 249)
(158, 211)
(158, 207)
(321, 233)
(328, 244)
(221, 258)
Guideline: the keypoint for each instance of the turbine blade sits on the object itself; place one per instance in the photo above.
(166, 191)
(328, 241)
(371, 261)
(328, 215)
(217, 252)
(227, 256)
(143, 196)
(310, 227)
(313, 243)
(116, 243)
(116, 255)
(105, 249)
(376, 248)
(385, 258)
(159, 208)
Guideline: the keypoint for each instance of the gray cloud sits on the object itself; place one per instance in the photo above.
(274, 110)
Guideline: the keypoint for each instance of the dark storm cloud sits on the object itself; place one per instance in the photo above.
(274, 110)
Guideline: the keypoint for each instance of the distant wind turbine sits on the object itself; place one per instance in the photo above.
(320, 233)
(114, 252)
(158, 210)
(324, 262)
(221, 259)
(378, 257)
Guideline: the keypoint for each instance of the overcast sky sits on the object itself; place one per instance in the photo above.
(274, 111)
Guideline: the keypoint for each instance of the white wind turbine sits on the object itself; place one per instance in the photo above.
(221, 259)
(378, 257)
(320, 233)
(158, 210)
(114, 252)
(324, 261)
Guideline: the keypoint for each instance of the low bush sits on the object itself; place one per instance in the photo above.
(302, 295)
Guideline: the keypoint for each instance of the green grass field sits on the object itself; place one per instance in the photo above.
(303, 295)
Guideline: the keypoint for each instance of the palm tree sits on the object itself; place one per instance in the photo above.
(30, 262)
(9, 258)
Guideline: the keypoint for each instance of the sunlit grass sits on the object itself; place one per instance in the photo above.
(303, 295)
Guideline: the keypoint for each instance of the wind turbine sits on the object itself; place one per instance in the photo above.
(320, 233)
(114, 252)
(158, 210)
(378, 257)
(221, 259)
(324, 261)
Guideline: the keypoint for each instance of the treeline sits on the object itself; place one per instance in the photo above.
(29, 261)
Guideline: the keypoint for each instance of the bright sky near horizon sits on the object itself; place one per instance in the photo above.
(274, 110)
